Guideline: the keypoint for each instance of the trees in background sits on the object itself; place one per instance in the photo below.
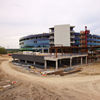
(3, 50)
(12, 50)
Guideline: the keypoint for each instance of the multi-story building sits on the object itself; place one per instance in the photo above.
(89, 40)
(38, 42)
(81, 47)
(59, 35)
(93, 40)
(64, 35)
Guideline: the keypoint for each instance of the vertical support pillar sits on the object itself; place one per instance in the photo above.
(70, 62)
(56, 52)
(45, 64)
(42, 50)
(62, 51)
(86, 59)
(56, 64)
(81, 60)
(48, 50)
(34, 63)
(25, 61)
(19, 60)
(13, 59)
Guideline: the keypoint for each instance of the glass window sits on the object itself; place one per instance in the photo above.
(35, 41)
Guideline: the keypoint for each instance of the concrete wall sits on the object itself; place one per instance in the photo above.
(32, 58)
(62, 35)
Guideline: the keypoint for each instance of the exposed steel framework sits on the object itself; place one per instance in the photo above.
(93, 52)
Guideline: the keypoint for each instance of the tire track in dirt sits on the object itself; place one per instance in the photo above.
(56, 88)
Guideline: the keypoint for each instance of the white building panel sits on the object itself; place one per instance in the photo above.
(62, 35)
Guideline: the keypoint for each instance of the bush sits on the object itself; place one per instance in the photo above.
(3, 50)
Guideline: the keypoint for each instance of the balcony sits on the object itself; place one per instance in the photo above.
(72, 42)
(76, 38)
(51, 37)
(77, 34)
(51, 42)
(51, 31)
(72, 36)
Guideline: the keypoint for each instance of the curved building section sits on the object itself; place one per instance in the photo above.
(38, 42)
(59, 35)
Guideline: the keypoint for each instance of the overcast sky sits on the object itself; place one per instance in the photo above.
(19, 18)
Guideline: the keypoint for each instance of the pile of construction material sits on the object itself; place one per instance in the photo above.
(62, 72)
(66, 71)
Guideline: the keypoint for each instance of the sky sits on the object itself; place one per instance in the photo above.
(20, 18)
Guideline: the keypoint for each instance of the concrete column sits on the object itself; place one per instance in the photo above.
(25, 61)
(19, 60)
(45, 64)
(86, 59)
(62, 51)
(56, 64)
(70, 62)
(42, 50)
(34, 63)
(81, 60)
(48, 50)
(56, 52)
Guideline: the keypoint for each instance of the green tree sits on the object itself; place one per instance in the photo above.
(3, 50)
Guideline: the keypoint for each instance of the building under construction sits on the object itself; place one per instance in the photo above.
(64, 47)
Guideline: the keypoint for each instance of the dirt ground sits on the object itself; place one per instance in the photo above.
(84, 85)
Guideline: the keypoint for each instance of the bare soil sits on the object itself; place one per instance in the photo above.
(84, 85)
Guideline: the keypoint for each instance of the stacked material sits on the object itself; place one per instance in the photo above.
(66, 71)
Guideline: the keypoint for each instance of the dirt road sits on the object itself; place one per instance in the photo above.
(32, 87)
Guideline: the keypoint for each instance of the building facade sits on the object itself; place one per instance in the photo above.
(37, 43)
(59, 35)
(89, 40)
